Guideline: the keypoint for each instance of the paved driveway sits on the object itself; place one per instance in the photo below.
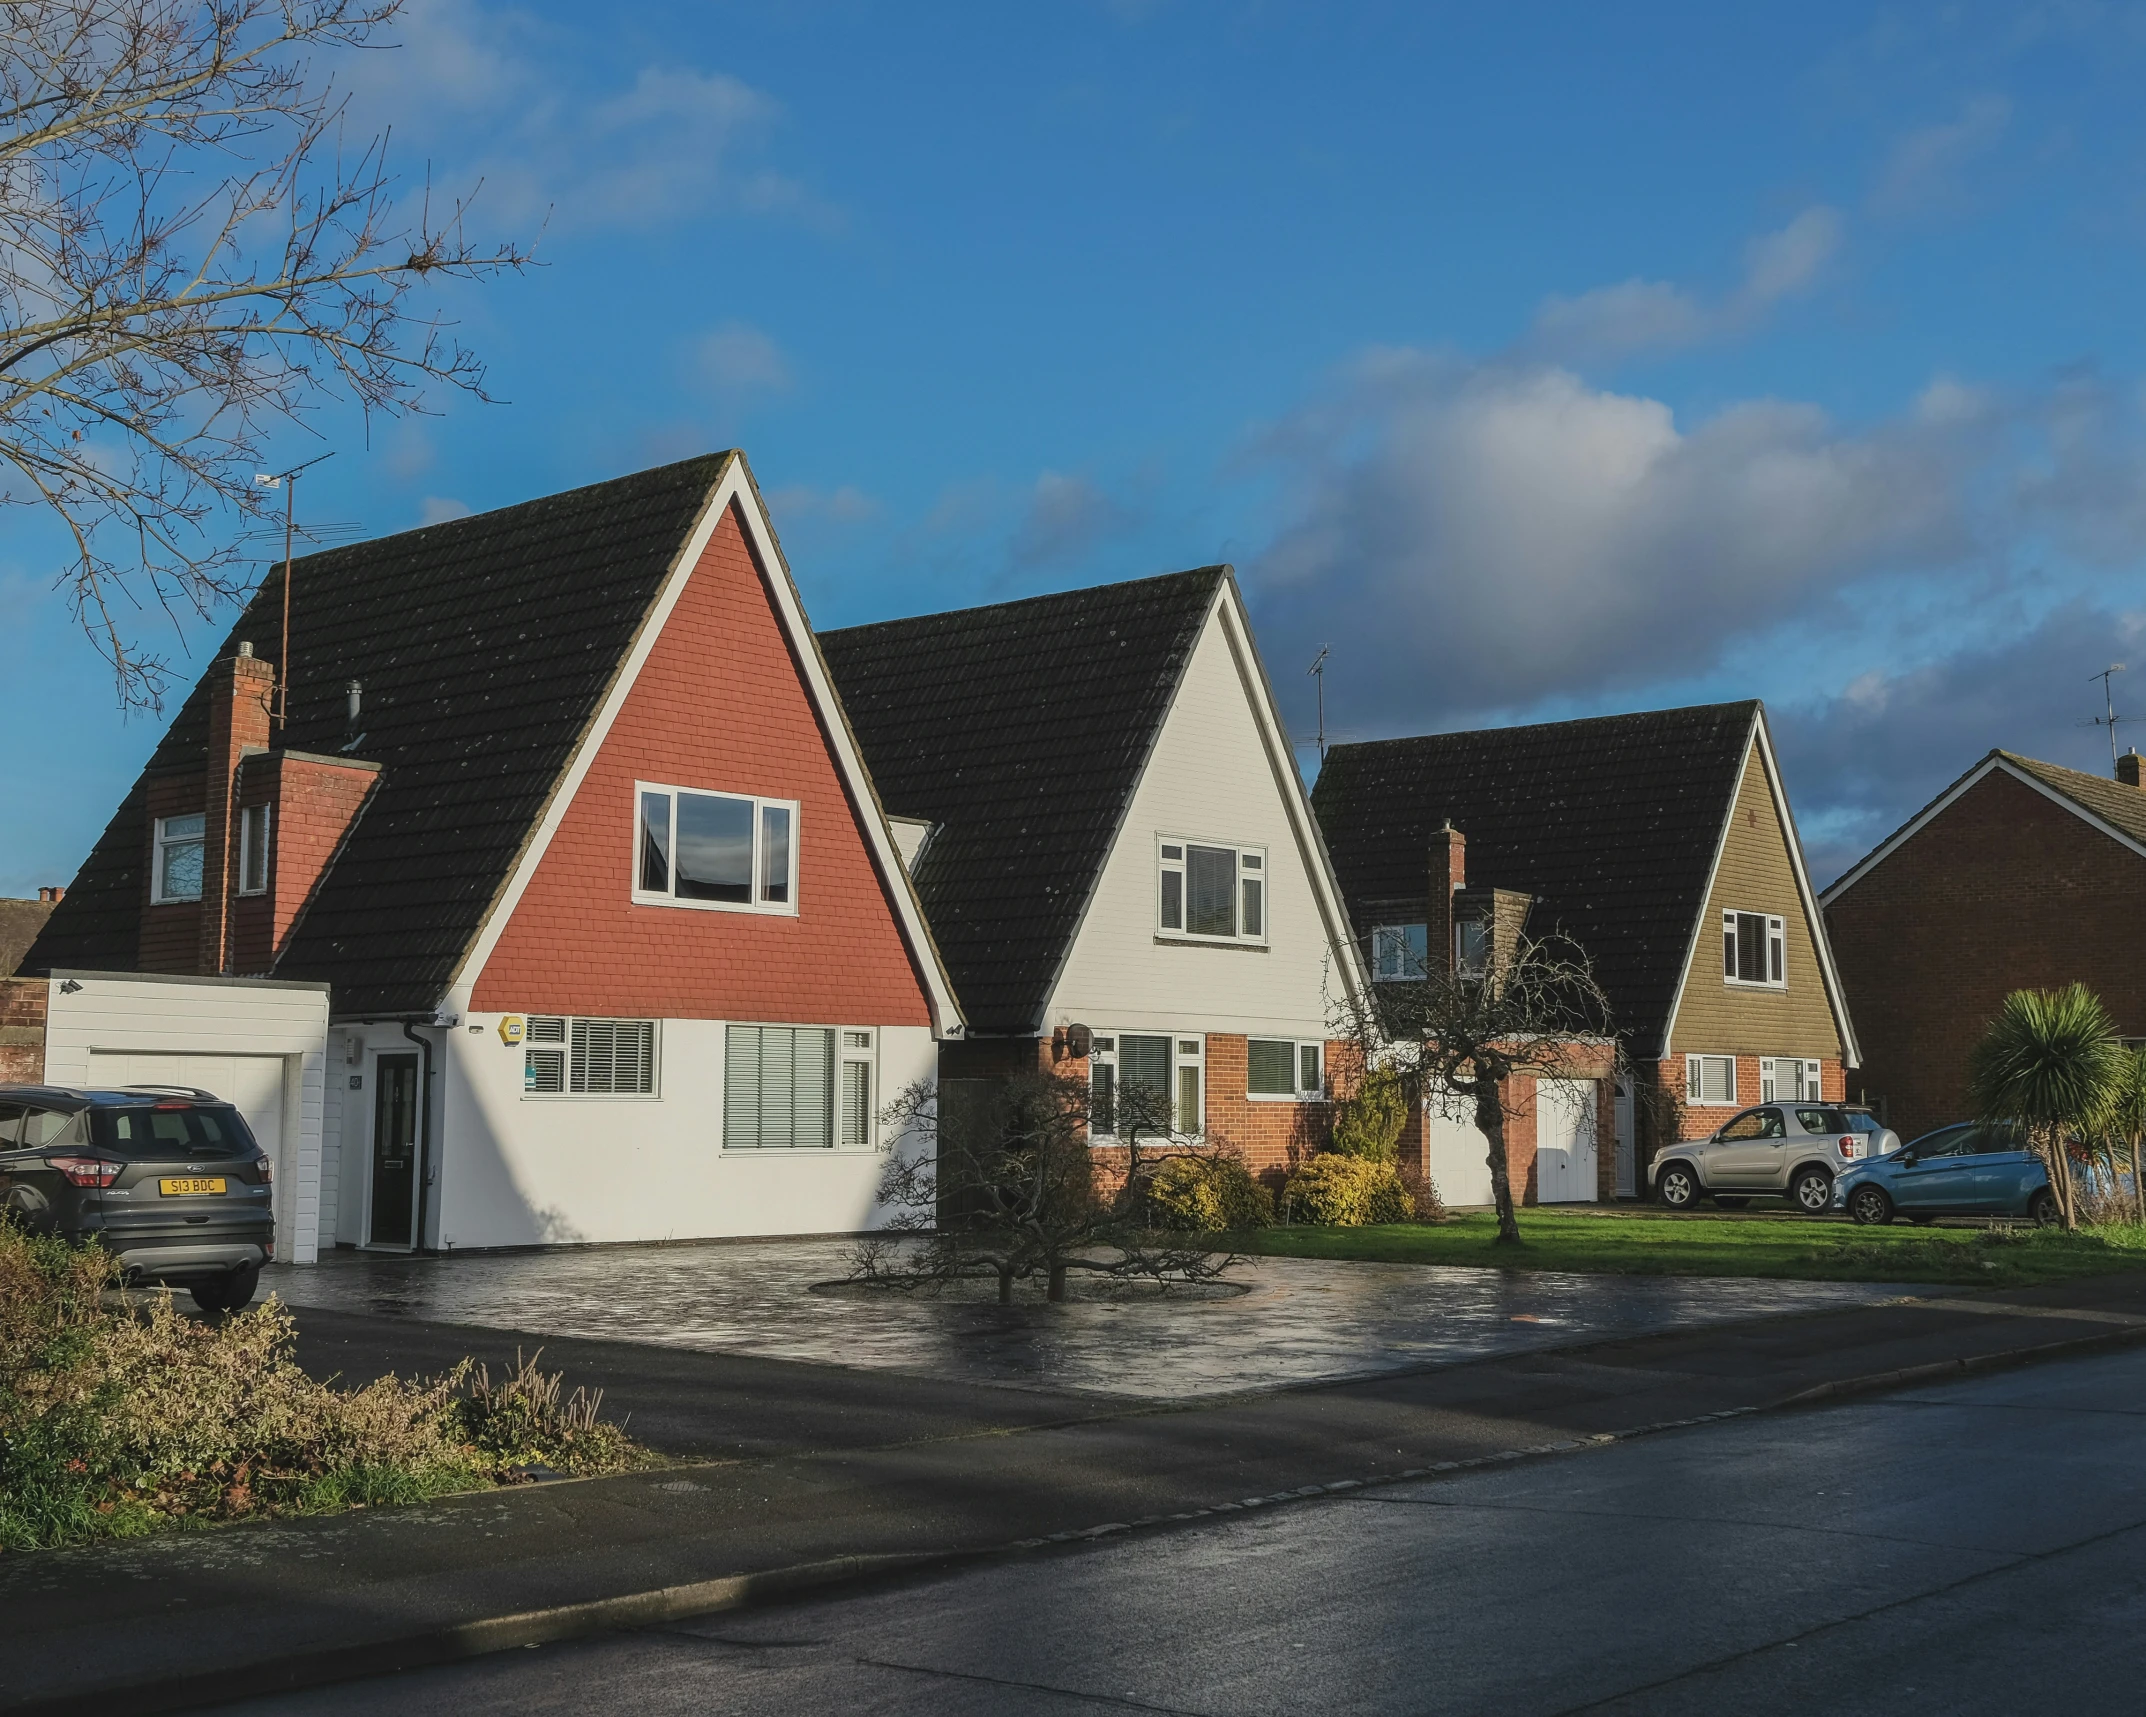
(1297, 1321)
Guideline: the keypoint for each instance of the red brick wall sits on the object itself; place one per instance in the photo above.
(1272, 1135)
(22, 1030)
(2002, 890)
(719, 705)
(170, 935)
(314, 803)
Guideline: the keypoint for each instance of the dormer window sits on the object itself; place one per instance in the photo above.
(1754, 949)
(728, 851)
(1209, 893)
(175, 866)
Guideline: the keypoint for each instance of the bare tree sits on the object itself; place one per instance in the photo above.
(1460, 1036)
(1008, 1190)
(190, 258)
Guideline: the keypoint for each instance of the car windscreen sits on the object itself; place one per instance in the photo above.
(173, 1131)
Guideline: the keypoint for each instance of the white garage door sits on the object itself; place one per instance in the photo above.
(1459, 1158)
(1565, 1141)
(253, 1084)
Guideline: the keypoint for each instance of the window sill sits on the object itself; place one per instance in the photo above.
(178, 900)
(1177, 939)
(1277, 1097)
(1754, 984)
(592, 1096)
(804, 1150)
(745, 906)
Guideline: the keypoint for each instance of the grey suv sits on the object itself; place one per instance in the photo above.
(1791, 1149)
(167, 1178)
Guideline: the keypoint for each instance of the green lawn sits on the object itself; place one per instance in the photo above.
(1652, 1243)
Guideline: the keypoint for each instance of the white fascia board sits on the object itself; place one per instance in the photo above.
(1227, 609)
(1706, 896)
(1289, 782)
(734, 485)
(1836, 995)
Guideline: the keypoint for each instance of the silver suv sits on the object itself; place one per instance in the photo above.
(1791, 1149)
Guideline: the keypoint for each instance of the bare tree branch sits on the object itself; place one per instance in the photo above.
(189, 262)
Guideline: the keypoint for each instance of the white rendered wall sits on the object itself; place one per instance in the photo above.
(138, 1015)
(516, 1170)
(1212, 778)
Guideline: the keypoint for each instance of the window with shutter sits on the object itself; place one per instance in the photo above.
(779, 1088)
(570, 1056)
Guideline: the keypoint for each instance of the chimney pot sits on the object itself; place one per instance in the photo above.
(52, 896)
(2127, 768)
(245, 649)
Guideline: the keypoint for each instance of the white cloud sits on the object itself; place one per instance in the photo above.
(1926, 171)
(1487, 536)
(1064, 517)
(737, 359)
(1642, 315)
(438, 509)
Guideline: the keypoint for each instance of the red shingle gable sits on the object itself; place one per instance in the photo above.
(719, 703)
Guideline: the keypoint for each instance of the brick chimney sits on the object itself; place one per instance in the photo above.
(1448, 876)
(240, 689)
(2127, 768)
(51, 896)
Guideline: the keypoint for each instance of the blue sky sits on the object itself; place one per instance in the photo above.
(1540, 361)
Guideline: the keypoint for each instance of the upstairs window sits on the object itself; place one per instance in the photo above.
(1754, 949)
(253, 850)
(728, 851)
(1400, 953)
(588, 1057)
(1211, 893)
(176, 864)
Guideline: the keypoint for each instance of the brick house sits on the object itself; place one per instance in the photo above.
(1662, 845)
(1105, 821)
(2019, 875)
(567, 822)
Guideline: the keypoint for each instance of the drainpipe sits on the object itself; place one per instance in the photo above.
(424, 1130)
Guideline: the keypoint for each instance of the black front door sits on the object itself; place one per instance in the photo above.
(394, 1150)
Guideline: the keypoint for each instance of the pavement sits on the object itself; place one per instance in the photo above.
(1976, 1548)
(836, 1474)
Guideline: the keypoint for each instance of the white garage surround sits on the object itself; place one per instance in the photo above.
(260, 1044)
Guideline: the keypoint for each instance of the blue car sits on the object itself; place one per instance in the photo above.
(1969, 1169)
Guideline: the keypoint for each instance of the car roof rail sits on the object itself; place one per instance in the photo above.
(172, 1091)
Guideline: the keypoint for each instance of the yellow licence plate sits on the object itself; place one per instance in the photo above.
(193, 1186)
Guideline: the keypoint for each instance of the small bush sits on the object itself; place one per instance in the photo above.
(121, 1421)
(1424, 1203)
(1335, 1190)
(1368, 1125)
(1207, 1194)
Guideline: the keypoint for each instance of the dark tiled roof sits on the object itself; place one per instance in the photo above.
(2116, 804)
(20, 921)
(1611, 824)
(1020, 730)
(485, 647)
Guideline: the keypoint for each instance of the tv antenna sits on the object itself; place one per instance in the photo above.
(2108, 702)
(287, 481)
(1318, 673)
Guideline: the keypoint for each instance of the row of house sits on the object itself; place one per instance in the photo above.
(569, 887)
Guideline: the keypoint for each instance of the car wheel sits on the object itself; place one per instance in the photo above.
(1870, 1206)
(2043, 1208)
(209, 1295)
(1812, 1192)
(1679, 1186)
(239, 1287)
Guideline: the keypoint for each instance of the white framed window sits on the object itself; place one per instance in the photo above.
(175, 864)
(1754, 949)
(571, 1056)
(857, 1122)
(733, 852)
(1281, 1069)
(253, 849)
(1210, 893)
(1788, 1079)
(799, 1088)
(1710, 1080)
(1400, 953)
(1172, 1070)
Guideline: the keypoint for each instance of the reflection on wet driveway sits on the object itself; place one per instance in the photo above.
(1299, 1320)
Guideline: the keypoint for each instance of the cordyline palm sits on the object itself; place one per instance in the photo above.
(2124, 1121)
(2050, 1061)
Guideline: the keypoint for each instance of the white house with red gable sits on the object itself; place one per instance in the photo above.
(567, 817)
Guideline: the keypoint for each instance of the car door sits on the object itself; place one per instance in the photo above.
(2007, 1174)
(1942, 1176)
(1746, 1152)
